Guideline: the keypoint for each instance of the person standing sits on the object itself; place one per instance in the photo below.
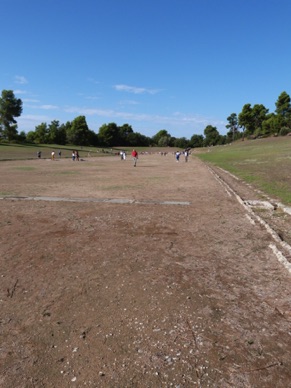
(134, 155)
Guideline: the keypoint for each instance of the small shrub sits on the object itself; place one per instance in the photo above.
(284, 131)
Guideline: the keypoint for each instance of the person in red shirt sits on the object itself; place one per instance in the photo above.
(134, 155)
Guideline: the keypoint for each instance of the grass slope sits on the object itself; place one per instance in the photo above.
(265, 163)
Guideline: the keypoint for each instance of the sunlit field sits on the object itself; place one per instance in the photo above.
(29, 151)
(265, 163)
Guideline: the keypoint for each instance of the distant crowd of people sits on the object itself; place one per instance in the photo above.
(75, 155)
(123, 155)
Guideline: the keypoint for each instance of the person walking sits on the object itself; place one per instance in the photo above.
(134, 155)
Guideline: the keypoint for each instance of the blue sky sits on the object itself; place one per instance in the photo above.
(178, 65)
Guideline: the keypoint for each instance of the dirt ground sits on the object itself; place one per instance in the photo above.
(153, 276)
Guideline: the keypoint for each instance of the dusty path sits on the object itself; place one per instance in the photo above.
(173, 283)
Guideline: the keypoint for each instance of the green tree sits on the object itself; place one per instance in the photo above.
(109, 135)
(181, 142)
(137, 139)
(124, 131)
(93, 138)
(222, 139)
(283, 109)
(283, 104)
(212, 136)
(57, 133)
(259, 115)
(53, 132)
(245, 119)
(65, 128)
(271, 125)
(10, 107)
(30, 137)
(22, 137)
(78, 133)
(61, 135)
(251, 119)
(196, 141)
(232, 126)
(164, 141)
(41, 133)
(161, 134)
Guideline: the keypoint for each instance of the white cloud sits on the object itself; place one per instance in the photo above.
(88, 111)
(29, 122)
(29, 100)
(92, 98)
(48, 107)
(92, 80)
(34, 117)
(19, 91)
(19, 79)
(177, 119)
(45, 106)
(134, 89)
(128, 102)
(177, 123)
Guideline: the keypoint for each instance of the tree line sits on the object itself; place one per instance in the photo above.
(252, 122)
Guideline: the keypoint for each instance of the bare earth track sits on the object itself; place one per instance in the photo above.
(154, 276)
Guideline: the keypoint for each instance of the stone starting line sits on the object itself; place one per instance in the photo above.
(98, 200)
(252, 217)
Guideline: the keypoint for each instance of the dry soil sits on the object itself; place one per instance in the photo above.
(149, 276)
